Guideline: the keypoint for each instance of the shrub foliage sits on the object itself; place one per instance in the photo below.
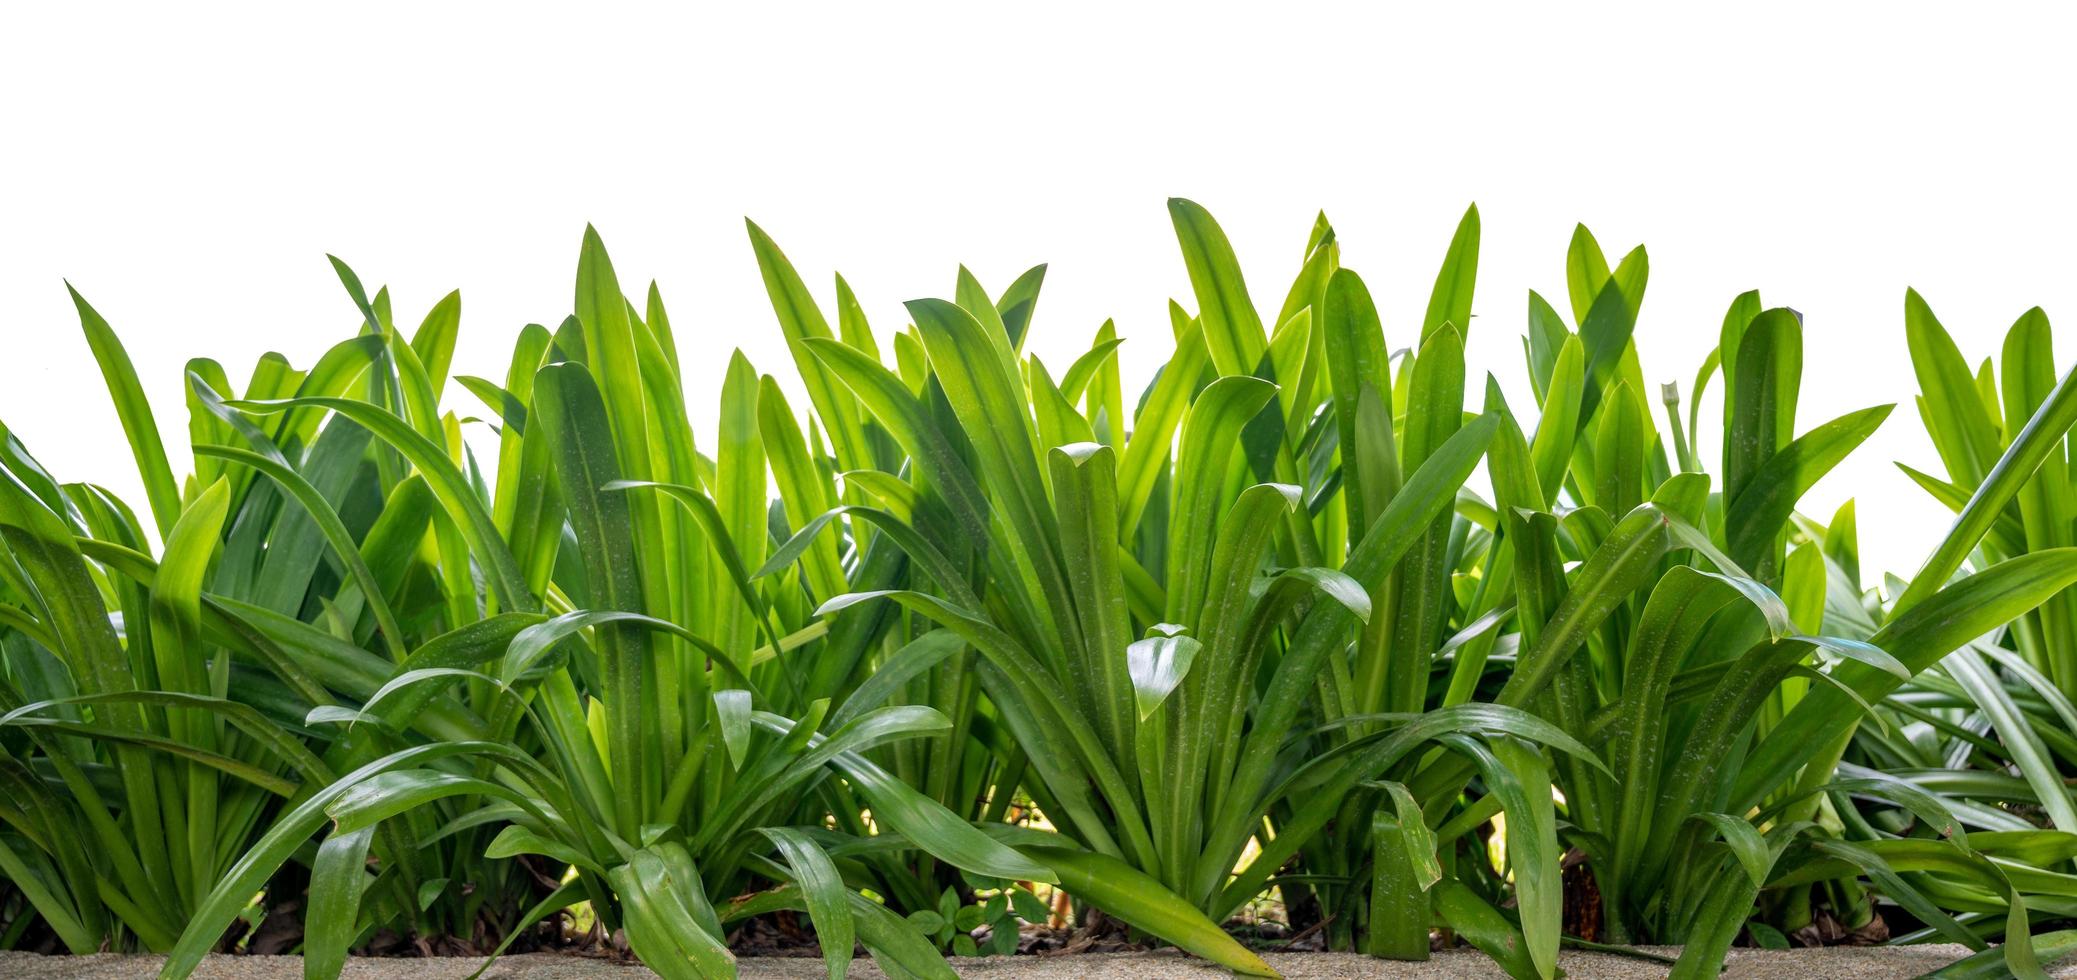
(1310, 629)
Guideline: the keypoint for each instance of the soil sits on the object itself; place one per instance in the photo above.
(1832, 963)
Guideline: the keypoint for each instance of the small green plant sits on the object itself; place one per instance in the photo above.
(953, 926)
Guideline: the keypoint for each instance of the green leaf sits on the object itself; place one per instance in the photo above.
(1558, 428)
(824, 890)
(1029, 908)
(1756, 516)
(1483, 926)
(801, 320)
(337, 879)
(134, 410)
(1233, 330)
(926, 921)
(936, 830)
(515, 840)
(1158, 663)
(1403, 869)
(732, 714)
(669, 923)
(1956, 417)
(1604, 334)
(1586, 271)
(1124, 893)
(1153, 433)
(571, 411)
(896, 670)
(1450, 301)
(1518, 775)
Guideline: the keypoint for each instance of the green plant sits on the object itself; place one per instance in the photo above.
(952, 926)
(1686, 645)
(968, 626)
(1160, 607)
(182, 676)
(623, 744)
(535, 744)
(1987, 730)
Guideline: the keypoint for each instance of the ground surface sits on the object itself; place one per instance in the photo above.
(1837, 963)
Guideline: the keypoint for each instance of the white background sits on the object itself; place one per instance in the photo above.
(188, 171)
